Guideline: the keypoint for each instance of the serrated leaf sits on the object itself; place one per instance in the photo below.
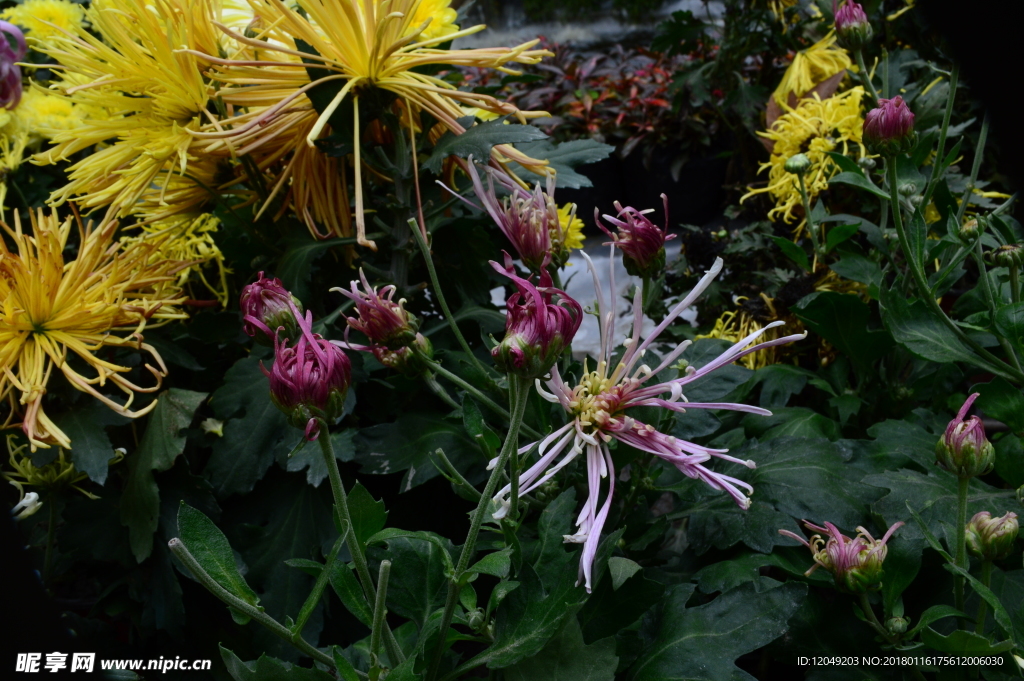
(368, 514)
(566, 657)
(421, 565)
(858, 180)
(346, 586)
(565, 157)
(1002, 401)
(91, 449)
(160, 446)
(211, 549)
(311, 456)
(496, 564)
(934, 614)
(269, 669)
(842, 320)
(478, 141)
(704, 642)
(918, 329)
(610, 609)
(963, 643)
(621, 569)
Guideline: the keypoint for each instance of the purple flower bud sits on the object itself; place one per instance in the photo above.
(853, 30)
(309, 380)
(889, 129)
(964, 450)
(411, 361)
(642, 244)
(383, 321)
(855, 564)
(10, 72)
(267, 306)
(991, 538)
(536, 329)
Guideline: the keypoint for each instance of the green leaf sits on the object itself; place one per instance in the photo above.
(211, 549)
(295, 268)
(621, 569)
(496, 564)
(91, 449)
(564, 157)
(1002, 401)
(963, 643)
(839, 234)
(898, 443)
(703, 642)
(566, 657)
(610, 608)
(406, 445)
(368, 514)
(779, 382)
(269, 669)
(858, 268)
(346, 586)
(251, 440)
(845, 163)
(311, 457)
(917, 328)
(478, 140)
(791, 422)
(160, 446)
(842, 320)
(345, 668)
(934, 614)
(1010, 459)
(1009, 321)
(999, 613)
(793, 252)
(421, 565)
(858, 180)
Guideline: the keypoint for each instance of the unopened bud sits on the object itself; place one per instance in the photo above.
(266, 307)
(413, 360)
(969, 232)
(1010, 255)
(889, 128)
(853, 30)
(642, 242)
(476, 619)
(798, 164)
(897, 625)
(963, 449)
(907, 189)
(867, 164)
(991, 538)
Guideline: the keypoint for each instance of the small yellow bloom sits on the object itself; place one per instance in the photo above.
(571, 227)
(812, 66)
(816, 126)
(50, 308)
(31, 15)
(735, 325)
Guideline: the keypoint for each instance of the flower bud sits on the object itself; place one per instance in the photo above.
(855, 564)
(907, 189)
(537, 330)
(853, 30)
(642, 244)
(308, 381)
(411, 361)
(867, 164)
(991, 538)
(10, 72)
(266, 307)
(1010, 255)
(969, 232)
(385, 322)
(897, 625)
(964, 450)
(889, 129)
(798, 164)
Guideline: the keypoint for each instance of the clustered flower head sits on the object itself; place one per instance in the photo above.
(963, 449)
(392, 330)
(853, 30)
(540, 231)
(309, 380)
(10, 72)
(599, 405)
(855, 564)
(267, 306)
(641, 242)
(809, 68)
(44, 19)
(537, 328)
(889, 128)
(991, 538)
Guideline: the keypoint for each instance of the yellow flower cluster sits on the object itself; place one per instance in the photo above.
(43, 19)
(810, 67)
(50, 308)
(570, 228)
(734, 325)
(816, 126)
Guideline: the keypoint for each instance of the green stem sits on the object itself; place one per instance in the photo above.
(451, 470)
(865, 605)
(247, 609)
(1015, 284)
(979, 153)
(519, 396)
(515, 388)
(990, 298)
(986, 579)
(864, 77)
(483, 399)
(812, 228)
(449, 317)
(318, 588)
(992, 363)
(961, 540)
(380, 610)
(440, 391)
(355, 546)
(954, 76)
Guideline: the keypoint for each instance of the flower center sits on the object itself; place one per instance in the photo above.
(597, 398)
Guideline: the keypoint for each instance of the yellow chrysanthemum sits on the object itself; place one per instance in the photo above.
(50, 308)
(813, 128)
(441, 16)
(151, 95)
(734, 325)
(46, 114)
(55, 476)
(35, 17)
(571, 227)
(812, 66)
(779, 7)
(353, 47)
(187, 240)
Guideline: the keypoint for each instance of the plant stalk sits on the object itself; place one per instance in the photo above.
(979, 154)
(318, 587)
(986, 579)
(380, 610)
(518, 394)
(864, 76)
(961, 540)
(954, 77)
(483, 399)
(990, 298)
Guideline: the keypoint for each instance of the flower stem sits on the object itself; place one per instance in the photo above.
(518, 395)
(1014, 284)
(954, 76)
(483, 399)
(440, 391)
(379, 612)
(318, 588)
(355, 547)
(992, 363)
(515, 388)
(986, 579)
(449, 317)
(278, 629)
(869, 612)
(990, 298)
(812, 229)
(961, 540)
(864, 76)
(979, 154)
